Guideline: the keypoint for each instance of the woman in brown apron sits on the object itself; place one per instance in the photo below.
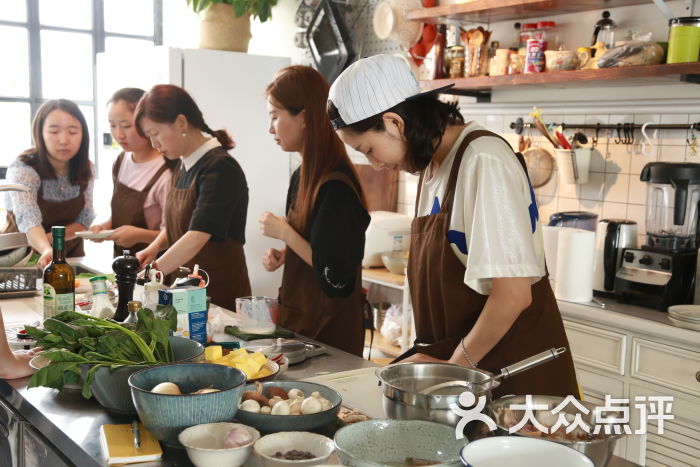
(141, 177)
(480, 293)
(59, 178)
(205, 212)
(323, 232)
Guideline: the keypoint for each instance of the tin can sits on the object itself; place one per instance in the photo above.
(534, 57)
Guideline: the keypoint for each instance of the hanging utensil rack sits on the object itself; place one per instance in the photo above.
(519, 125)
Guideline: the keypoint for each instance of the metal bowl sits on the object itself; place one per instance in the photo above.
(402, 384)
(599, 450)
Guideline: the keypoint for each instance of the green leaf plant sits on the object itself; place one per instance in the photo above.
(261, 9)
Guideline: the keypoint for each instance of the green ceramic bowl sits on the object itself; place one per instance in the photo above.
(390, 442)
(167, 415)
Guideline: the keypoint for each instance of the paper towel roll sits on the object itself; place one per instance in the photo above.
(550, 237)
(575, 251)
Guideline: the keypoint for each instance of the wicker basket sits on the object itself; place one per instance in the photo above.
(18, 281)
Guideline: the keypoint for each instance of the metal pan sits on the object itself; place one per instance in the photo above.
(296, 351)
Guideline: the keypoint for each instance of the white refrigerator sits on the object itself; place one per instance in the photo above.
(229, 89)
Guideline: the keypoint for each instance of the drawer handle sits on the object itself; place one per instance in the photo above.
(697, 376)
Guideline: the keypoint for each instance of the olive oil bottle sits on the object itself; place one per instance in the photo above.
(59, 278)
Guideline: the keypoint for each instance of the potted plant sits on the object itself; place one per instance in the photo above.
(225, 24)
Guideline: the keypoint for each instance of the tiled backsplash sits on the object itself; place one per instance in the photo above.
(613, 188)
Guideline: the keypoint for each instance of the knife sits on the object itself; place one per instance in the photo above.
(137, 435)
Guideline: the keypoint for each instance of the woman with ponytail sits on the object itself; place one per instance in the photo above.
(206, 209)
(326, 219)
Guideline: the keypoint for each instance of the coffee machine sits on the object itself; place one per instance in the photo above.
(662, 272)
(612, 237)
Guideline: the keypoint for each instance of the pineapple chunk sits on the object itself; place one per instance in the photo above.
(213, 352)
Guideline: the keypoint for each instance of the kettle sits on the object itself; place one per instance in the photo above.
(612, 236)
(604, 31)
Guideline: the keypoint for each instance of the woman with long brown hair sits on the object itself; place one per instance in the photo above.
(324, 230)
(59, 175)
(205, 212)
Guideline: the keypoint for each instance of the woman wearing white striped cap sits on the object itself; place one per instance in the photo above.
(479, 287)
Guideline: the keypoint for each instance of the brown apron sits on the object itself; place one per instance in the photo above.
(56, 213)
(224, 261)
(127, 205)
(307, 310)
(445, 309)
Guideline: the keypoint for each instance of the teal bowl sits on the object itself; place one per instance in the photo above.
(268, 423)
(111, 387)
(166, 415)
(391, 442)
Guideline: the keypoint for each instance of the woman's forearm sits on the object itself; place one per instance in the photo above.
(509, 297)
(146, 235)
(182, 251)
(298, 244)
(38, 239)
(72, 228)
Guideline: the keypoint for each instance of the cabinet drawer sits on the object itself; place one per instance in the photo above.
(597, 347)
(667, 366)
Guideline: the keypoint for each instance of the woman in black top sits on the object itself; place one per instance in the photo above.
(324, 230)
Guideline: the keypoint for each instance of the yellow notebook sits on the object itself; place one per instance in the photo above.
(118, 445)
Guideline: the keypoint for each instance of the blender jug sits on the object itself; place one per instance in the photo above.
(673, 195)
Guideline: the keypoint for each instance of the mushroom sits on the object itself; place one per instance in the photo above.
(311, 405)
(274, 401)
(251, 405)
(265, 409)
(295, 404)
(294, 393)
(281, 408)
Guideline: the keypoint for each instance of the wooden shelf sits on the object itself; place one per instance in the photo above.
(623, 76)
(489, 11)
(382, 276)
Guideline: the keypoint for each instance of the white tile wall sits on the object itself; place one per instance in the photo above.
(613, 188)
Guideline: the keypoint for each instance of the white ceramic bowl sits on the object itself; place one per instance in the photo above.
(205, 444)
(498, 451)
(284, 441)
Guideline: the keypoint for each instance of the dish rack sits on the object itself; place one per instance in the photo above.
(18, 281)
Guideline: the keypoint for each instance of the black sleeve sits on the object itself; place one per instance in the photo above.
(338, 238)
(222, 200)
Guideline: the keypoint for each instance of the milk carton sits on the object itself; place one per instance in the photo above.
(191, 306)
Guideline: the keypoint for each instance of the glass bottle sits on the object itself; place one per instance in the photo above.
(547, 32)
(125, 267)
(133, 306)
(440, 44)
(525, 34)
(101, 304)
(59, 278)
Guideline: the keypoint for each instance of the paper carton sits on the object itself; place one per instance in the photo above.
(191, 306)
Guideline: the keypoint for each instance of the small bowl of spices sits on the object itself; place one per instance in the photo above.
(293, 448)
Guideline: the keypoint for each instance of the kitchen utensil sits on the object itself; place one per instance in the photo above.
(507, 372)
(689, 313)
(296, 351)
(562, 140)
(256, 314)
(543, 129)
(573, 164)
(604, 31)
(389, 22)
(395, 261)
(599, 449)
(561, 60)
(167, 415)
(94, 235)
(540, 165)
(205, 444)
(375, 443)
(498, 451)
(268, 423)
(611, 238)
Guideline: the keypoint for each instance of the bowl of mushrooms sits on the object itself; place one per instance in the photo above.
(274, 406)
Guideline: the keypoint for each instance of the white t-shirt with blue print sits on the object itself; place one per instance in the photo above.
(494, 230)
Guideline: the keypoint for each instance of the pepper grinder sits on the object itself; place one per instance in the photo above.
(125, 268)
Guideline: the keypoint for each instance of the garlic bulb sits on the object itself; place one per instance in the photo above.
(311, 405)
(166, 388)
(294, 393)
(237, 437)
(250, 405)
(280, 408)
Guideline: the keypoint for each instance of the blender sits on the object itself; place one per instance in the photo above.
(662, 272)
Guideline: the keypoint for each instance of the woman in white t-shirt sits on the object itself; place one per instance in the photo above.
(141, 176)
(476, 269)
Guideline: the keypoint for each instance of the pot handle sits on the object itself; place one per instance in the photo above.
(531, 362)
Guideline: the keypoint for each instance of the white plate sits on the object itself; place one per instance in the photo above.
(94, 236)
(685, 312)
(40, 362)
(685, 324)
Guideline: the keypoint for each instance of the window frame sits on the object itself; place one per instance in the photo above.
(99, 35)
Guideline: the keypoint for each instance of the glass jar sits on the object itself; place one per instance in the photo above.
(525, 33)
(684, 40)
(457, 55)
(499, 63)
(516, 64)
(547, 32)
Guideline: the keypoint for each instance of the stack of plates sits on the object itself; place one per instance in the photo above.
(685, 316)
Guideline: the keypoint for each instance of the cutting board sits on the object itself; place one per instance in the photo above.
(381, 187)
(359, 389)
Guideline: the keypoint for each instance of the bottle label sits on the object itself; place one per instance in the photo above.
(57, 303)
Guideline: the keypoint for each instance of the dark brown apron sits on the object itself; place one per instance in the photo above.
(445, 309)
(224, 261)
(127, 205)
(56, 213)
(307, 310)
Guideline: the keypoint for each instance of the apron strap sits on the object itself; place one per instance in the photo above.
(117, 165)
(155, 177)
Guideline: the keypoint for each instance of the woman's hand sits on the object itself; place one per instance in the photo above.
(273, 226)
(146, 256)
(273, 259)
(45, 258)
(97, 228)
(125, 235)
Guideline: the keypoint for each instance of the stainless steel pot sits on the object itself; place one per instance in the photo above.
(403, 385)
(599, 450)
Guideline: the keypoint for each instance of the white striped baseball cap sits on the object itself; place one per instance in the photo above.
(371, 86)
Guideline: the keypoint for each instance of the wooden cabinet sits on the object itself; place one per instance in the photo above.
(597, 348)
